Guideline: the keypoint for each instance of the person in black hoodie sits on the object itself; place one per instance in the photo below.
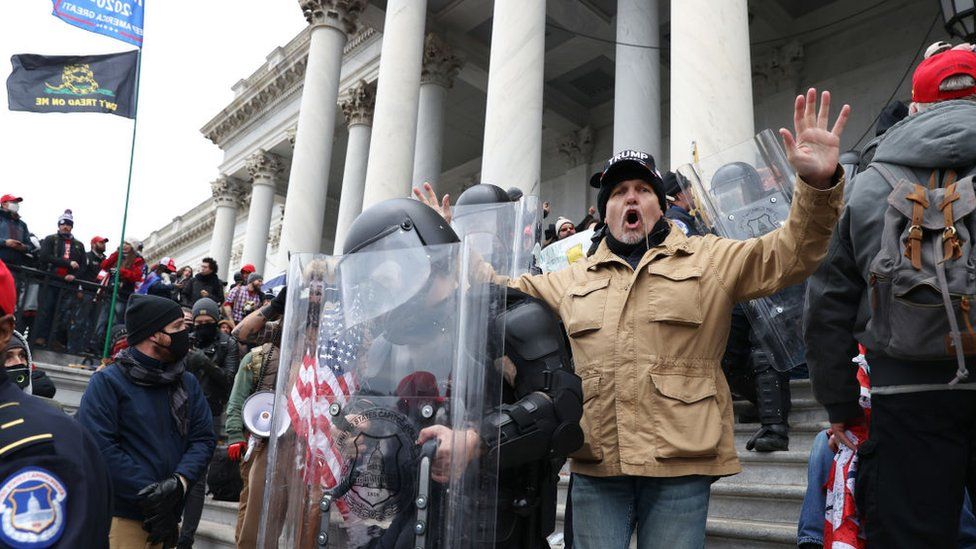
(213, 359)
(65, 258)
(206, 283)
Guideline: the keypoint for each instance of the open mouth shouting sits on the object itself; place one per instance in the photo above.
(632, 219)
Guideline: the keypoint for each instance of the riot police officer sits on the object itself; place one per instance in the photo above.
(537, 425)
(54, 486)
(747, 365)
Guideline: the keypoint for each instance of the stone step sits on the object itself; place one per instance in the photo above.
(801, 388)
(768, 503)
(739, 534)
(774, 468)
(213, 535)
(801, 434)
(220, 512)
(803, 410)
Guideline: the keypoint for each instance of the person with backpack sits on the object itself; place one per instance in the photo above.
(898, 278)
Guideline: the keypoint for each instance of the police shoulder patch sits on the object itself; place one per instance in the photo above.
(33, 502)
(681, 225)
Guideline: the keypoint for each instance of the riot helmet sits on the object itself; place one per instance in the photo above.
(391, 269)
(397, 223)
(736, 184)
(485, 193)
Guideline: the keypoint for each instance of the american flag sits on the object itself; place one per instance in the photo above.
(325, 377)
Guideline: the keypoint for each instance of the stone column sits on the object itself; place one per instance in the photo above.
(398, 92)
(357, 107)
(637, 80)
(264, 168)
(331, 21)
(441, 65)
(512, 154)
(228, 194)
(711, 77)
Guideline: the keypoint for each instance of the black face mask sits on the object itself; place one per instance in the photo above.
(20, 374)
(179, 344)
(205, 333)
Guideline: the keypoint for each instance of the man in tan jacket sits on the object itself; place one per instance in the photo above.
(648, 317)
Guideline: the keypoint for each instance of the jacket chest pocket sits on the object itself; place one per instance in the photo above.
(674, 294)
(587, 304)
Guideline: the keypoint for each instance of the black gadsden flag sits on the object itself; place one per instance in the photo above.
(73, 83)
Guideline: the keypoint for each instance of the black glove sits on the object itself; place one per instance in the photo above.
(197, 361)
(277, 306)
(163, 529)
(162, 499)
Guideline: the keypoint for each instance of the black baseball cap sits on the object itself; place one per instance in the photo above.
(627, 164)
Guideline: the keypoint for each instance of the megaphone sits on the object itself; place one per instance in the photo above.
(256, 413)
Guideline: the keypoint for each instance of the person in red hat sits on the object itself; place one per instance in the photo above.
(86, 312)
(15, 241)
(913, 470)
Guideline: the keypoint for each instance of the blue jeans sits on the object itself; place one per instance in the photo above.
(668, 513)
(810, 527)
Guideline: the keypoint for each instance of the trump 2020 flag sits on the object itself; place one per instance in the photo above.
(73, 83)
(119, 19)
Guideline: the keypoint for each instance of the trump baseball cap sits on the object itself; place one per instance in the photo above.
(10, 198)
(624, 165)
(933, 71)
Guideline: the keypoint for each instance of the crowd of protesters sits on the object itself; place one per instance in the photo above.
(186, 354)
(65, 289)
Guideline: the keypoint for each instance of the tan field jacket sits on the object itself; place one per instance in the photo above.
(648, 343)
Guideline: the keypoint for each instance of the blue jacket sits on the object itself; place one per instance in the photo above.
(138, 436)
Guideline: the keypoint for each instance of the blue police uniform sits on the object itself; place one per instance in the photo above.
(54, 487)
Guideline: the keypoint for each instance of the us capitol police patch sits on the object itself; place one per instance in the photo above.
(32, 508)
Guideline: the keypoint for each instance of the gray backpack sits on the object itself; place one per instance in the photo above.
(923, 280)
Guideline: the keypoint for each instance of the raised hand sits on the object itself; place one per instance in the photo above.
(442, 207)
(814, 151)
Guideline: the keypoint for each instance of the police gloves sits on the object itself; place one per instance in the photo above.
(162, 506)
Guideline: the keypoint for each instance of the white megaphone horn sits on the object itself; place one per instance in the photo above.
(256, 413)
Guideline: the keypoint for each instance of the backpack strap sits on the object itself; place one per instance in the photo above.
(888, 175)
(913, 242)
(951, 249)
(962, 373)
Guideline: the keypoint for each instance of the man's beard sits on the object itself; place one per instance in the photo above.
(631, 237)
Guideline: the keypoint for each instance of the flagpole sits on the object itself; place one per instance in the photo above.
(125, 213)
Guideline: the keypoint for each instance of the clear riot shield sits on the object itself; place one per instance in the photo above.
(504, 234)
(745, 192)
(386, 377)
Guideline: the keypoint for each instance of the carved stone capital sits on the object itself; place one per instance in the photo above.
(778, 68)
(357, 104)
(264, 167)
(340, 14)
(441, 64)
(576, 147)
(227, 191)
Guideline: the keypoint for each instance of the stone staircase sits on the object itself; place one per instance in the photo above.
(756, 509)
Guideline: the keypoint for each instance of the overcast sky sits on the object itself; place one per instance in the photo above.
(195, 50)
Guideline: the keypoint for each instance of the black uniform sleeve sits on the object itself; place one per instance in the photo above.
(544, 421)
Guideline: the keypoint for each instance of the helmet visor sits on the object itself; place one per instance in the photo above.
(383, 275)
